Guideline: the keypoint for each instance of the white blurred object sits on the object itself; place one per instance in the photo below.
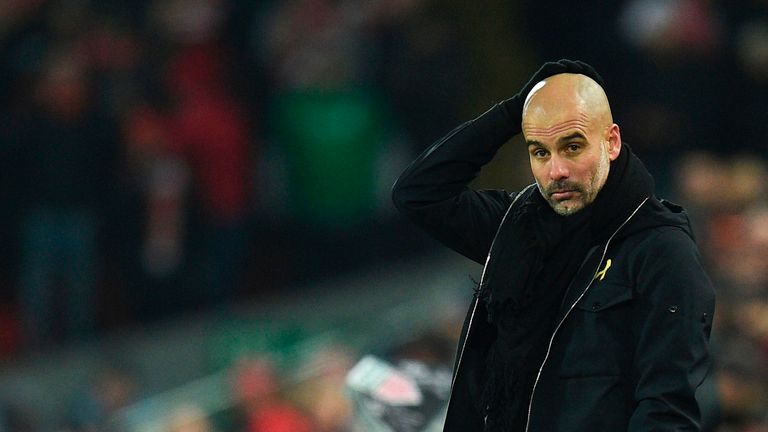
(409, 398)
(385, 383)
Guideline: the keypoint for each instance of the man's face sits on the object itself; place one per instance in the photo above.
(571, 144)
(569, 168)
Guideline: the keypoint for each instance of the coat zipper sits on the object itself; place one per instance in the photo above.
(477, 299)
(562, 320)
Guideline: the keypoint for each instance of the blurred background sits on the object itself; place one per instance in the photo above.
(195, 223)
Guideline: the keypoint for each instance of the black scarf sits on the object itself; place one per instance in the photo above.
(523, 300)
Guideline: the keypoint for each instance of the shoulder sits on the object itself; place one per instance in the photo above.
(660, 249)
(658, 226)
(666, 240)
(669, 259)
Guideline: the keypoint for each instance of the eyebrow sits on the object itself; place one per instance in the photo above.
(572, 136)
(569, 137)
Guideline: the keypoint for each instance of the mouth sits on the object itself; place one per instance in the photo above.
(563, 194)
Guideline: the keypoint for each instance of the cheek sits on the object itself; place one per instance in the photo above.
(539, 173)
(590, 169)
(600, 172)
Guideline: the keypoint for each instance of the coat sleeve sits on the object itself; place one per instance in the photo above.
(433, 191)
(672, 326)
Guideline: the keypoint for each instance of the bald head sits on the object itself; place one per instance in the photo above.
(571, 138)
(561, 96)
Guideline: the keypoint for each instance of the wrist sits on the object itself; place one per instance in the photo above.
(496, 125)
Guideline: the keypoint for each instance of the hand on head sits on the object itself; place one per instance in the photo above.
(514, 105)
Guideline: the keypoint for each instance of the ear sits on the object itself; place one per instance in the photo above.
(614, 142)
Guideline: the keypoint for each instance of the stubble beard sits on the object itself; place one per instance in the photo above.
(586, 192)
(564, 207)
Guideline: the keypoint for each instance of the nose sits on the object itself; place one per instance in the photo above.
(558, 168)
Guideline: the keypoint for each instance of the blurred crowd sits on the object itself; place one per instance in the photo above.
(168, 155)
(261, 395)
(165, 156)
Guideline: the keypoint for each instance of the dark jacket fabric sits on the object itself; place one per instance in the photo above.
(630, 344)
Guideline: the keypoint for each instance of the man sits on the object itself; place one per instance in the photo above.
(593, 310)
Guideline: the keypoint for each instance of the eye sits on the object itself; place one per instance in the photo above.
(539, 153)
(573, 147)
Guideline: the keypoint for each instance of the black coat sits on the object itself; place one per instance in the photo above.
(630, 345)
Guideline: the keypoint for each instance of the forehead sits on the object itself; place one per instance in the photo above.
(546, 126)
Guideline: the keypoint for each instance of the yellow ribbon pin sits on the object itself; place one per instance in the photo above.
(601, 273)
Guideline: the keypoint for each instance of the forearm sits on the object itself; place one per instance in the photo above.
(444, 170)
(433, 191)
